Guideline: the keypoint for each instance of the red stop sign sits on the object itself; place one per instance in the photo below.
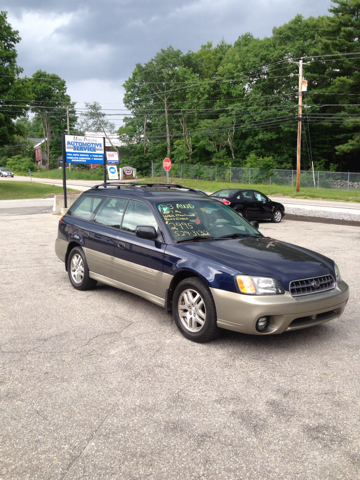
(167, 164)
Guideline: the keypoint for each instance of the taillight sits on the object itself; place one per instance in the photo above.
(226, 202)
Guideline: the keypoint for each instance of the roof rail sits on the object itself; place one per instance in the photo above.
(118, 185)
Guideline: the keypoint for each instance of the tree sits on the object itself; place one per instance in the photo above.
(94, 120)
(14, 91)
(227, 104)
(51, 104)
(343, 38)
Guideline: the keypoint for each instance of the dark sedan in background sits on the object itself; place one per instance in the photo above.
(252, 205)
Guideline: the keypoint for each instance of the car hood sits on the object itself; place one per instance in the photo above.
(263, 256)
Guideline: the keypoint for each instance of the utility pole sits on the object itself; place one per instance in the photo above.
(298, 150)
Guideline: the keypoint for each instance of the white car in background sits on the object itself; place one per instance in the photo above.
(5, 172)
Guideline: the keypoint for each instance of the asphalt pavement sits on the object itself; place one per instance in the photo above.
(101, 384)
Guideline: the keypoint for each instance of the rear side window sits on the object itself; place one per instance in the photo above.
(85, 207)
(222, 193)
(111, 213)
(138, 214)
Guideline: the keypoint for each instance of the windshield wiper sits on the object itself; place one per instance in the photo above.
(238, 235)
(195, 239)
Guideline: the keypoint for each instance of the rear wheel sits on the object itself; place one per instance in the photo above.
(78, 270)
(194, 311)
(277, 216)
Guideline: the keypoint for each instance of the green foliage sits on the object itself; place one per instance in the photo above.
(222, 104)
(94, 120)
(50, 104)
(12, 87)
(20, 164)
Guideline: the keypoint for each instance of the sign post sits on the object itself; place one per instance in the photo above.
(167, 166)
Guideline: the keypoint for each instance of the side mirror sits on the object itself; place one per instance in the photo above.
(146, 232)
(255, 224)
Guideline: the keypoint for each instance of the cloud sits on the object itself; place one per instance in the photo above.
(93, 43)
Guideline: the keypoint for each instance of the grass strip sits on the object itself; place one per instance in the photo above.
(13, 190)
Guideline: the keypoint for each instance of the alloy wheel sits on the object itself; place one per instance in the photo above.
(192, 310)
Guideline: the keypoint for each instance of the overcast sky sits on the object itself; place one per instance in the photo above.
(94, 45)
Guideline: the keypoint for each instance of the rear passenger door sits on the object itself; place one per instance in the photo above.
(98, 221)
(138, 261)
(251, 207)
(96, 245)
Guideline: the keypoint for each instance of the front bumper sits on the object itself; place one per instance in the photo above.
(240, 312)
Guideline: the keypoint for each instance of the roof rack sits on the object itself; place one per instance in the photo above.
(118, 185)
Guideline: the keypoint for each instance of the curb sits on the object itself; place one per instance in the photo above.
(332, 221)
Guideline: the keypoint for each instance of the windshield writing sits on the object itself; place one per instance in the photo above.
(203, 218)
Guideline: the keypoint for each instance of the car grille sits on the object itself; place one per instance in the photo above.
(308, 286)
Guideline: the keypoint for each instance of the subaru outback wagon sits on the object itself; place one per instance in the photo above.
(198, 259)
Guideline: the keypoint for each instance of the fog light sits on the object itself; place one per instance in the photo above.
(262, 324)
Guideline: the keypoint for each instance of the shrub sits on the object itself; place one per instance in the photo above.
(20, 164)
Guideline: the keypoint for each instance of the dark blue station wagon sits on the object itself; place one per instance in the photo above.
(198, 259)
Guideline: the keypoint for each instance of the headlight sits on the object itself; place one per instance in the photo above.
(337, 273)
(259, 285)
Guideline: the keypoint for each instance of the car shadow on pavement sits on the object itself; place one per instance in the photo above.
(317, 335)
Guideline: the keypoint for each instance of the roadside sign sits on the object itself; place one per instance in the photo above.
(167, 164)
(112, 172)
(112, 157)
(86, 150)
(82, 149)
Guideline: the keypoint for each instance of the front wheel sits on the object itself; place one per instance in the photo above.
(194, 311)
(277, 216)
(78, 270)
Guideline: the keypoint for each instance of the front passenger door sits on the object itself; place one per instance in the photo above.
(139, 261)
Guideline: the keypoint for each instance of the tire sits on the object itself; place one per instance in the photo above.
(194, 311)
(78, 270)
(277, 216)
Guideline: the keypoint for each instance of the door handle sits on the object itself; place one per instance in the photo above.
(121, 245)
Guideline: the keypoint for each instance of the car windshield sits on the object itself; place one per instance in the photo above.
(202, 219)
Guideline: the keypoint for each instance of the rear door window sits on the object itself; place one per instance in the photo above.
(111, 212)
(249, 196)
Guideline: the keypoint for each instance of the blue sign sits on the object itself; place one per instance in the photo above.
(86, 150)
(112, 169)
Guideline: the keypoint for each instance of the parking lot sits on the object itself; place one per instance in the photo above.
(101, 384)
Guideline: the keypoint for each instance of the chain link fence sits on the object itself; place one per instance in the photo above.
(317, 179)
